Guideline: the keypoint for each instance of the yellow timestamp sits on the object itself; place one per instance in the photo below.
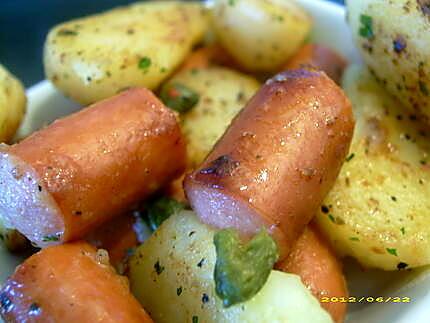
(366, 299)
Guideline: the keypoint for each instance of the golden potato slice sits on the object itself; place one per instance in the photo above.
(93, 58)
(379, 210)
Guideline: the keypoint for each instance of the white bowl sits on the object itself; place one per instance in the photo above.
(46, 104)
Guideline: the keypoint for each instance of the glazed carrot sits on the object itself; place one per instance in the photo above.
(117, 237)
(68, 178)
(319, 57)
(277, 160)
(68, 283)
(206, 57)
(314, 261)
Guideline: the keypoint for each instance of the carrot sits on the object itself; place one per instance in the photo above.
(79, 172)
(68, 283)
(315, 262)
(319, 57)
(277, 160)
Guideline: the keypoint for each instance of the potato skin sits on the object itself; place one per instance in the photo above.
(260, 35)
(222, 94)
(173, 270)
(95, 57)
(378, 210)
(12, 104)
(292, 137)
(397, 51)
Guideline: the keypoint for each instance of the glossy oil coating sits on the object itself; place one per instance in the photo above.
(315, 262)
(68, 284)
(278, 159)
(82, 170)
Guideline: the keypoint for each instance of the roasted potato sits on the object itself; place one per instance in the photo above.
(378, 210)
(93, 58)
(394, 42)
(171, 274)
(222, 93)
(12, 104)
(260, 34)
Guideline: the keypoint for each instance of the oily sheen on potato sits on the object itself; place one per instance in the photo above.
(12, 104)
(171, 274)
(378, 211)
(95, 57)
(393, 37)
(222, 94)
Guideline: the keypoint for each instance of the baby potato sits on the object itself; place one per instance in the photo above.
(260, 34)
(222, 93)
(171, 274)
(95, 57)
(379, 210)
(394, 42)
(12, 104)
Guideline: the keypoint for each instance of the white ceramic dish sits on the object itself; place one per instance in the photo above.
(46, 104)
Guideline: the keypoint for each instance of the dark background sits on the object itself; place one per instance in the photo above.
(25, 23)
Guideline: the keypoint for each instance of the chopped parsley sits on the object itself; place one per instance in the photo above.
(350, 157)
(144, 63)
(158, 268)
(51, 237)
(423, 88)
(354, 239)
(366, 28)
(392, 251)
(331, 217)
(179, 97)
(402, 230)
(179, 290)
(195, 319)
(159, 210)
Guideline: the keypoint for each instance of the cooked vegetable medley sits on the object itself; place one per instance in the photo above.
(223, 168)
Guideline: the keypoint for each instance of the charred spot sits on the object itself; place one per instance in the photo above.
(424, 5)
(399, 44)
(222, 166)
(78, 213)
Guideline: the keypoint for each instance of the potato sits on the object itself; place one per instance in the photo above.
(93, 58)
(222, 94)
(171, 274)
(379, 210)
(12, 104)
(394, 42)
(260, 34)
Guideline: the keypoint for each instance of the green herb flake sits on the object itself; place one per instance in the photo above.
(350, 157)
(163, 70)
(366, 28)
(159, 210)
(158, 268)
(231, 2)
(331, 217)
(392, 251)
(144, 63)
(195, 319)
(241, 270)
(51, 237)
(354, 239)
(179, 291)
(402, 230)
(423, 88)
(67, 32)
(179, 97)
